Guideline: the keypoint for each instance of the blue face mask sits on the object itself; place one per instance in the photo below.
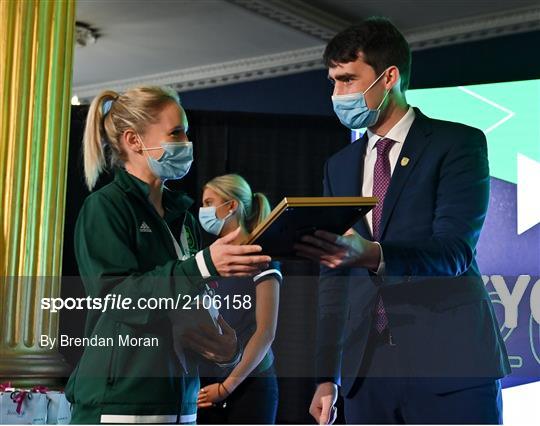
(175, 161)
(352, 109)
(209, 220)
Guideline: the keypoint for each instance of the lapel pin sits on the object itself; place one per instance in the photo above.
(404, 161)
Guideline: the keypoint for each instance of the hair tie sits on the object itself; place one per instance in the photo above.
(107, 105)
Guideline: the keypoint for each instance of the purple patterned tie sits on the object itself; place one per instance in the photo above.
(381, 181)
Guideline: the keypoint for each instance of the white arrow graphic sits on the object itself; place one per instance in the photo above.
(528, 195)
(509, 113)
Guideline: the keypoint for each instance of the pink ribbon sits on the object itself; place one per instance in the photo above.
(40, 389)
(18, 398)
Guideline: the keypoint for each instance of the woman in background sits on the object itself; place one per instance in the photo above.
(248, 394)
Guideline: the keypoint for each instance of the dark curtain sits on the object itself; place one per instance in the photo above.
(279, 155)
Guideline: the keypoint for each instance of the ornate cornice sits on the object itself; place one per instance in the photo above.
(301, 16)
(477, 28)
(321, 25)
(297, 14)
(255, 68)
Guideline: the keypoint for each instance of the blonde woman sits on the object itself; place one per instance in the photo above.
(248, 394)
(136, 242)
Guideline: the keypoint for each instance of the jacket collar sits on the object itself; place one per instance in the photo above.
(417, 140)
(175, 203)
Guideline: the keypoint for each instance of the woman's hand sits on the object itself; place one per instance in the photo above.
(237, 260)
(211, 395)
(207, 341)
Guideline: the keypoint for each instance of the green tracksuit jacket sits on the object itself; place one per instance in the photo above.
(123, 248)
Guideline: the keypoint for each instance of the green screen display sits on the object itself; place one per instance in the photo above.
(508, 113)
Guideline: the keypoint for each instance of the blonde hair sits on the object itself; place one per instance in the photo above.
(110, 115)
(253, 208)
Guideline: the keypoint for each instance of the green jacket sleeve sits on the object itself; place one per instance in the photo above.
(108, 264)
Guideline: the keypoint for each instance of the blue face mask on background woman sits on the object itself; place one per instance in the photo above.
(209, 220)
(352, 109)
(175, 161)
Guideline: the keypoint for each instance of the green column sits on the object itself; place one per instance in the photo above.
(36, 60)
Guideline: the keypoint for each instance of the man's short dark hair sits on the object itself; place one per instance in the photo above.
(381, 43)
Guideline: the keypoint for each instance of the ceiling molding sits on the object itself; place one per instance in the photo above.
(301, 16)
(296, 61)
(297, 14)
(256, 68)
(475, 28)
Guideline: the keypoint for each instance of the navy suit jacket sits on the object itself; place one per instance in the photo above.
(439, 312)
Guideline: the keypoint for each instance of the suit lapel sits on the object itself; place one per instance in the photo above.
(414, 145)
(354, 170)
(352, 184)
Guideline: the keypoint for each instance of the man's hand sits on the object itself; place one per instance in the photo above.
(207, 341)
(237, 260)
(335, 251)
(322, 405)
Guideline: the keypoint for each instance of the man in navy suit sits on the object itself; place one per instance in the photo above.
(406, 327)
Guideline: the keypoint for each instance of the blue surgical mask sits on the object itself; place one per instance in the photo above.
(175, 161)
(352, 109)
(209, 220)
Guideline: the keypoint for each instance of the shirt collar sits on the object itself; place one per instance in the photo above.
(398, 133)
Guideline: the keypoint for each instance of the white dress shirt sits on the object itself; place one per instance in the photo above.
(398, 133)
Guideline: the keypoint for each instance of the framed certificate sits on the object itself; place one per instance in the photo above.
(295, 217)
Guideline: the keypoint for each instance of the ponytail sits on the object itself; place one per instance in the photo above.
(260, 209)
(95, 137)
